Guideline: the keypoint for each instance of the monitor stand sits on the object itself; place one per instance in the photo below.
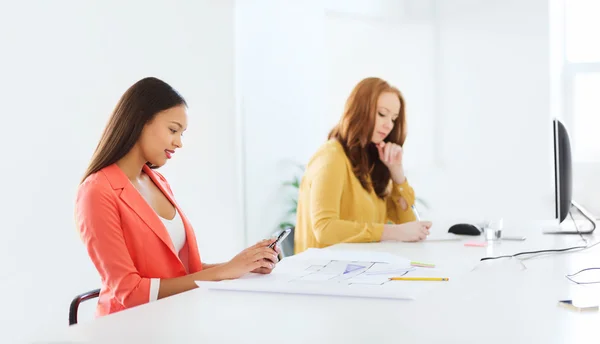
(574, 229)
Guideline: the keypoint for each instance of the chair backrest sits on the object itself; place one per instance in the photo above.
(74, 307)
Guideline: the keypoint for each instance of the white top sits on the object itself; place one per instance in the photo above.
(177, 233)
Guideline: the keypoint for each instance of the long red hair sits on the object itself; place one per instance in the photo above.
(355, 130)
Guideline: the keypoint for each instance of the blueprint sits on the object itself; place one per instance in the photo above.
(351, 272)
(336, 273)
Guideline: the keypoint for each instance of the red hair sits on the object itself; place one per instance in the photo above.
(355, 131)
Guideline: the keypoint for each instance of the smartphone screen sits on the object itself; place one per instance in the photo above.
(280, 238)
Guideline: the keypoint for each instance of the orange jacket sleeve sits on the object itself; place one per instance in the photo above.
(98, 220)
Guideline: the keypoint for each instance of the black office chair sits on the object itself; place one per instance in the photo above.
(78, 300)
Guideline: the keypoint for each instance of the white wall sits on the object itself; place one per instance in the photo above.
(63, 67)
(495, 110)
(281, 80)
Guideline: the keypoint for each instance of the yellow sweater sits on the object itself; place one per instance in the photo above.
(333, 207)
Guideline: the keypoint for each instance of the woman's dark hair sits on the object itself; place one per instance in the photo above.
(138, 106)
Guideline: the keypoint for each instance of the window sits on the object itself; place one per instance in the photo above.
(576, 33)
(582, 77)
(582, 30)
(585, 121)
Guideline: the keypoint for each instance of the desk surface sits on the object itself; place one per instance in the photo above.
(499, 301)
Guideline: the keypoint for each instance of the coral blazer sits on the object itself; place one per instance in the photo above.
(126, 240)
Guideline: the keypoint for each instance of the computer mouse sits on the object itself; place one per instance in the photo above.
(464, 229)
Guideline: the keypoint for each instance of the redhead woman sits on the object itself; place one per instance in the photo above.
(354, 188)
(137, 236)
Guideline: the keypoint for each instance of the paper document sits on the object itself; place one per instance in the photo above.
(331, 272)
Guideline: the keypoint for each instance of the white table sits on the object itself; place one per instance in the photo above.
(498, 301)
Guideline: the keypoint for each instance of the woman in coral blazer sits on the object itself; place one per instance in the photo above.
(137, 236)
(354, 188)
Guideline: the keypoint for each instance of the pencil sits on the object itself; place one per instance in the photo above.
(419, 279)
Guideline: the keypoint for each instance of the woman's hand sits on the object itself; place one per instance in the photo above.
(408, 232)
(391, 155)
(258, 258)
(267, 270)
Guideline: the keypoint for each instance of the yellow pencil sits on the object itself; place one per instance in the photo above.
(418, 279)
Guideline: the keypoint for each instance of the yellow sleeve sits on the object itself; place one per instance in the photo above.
(325, 199)
(395, 213)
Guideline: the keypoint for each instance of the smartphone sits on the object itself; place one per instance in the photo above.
(280, 238)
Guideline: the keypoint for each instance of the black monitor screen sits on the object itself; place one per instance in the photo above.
(562, 171)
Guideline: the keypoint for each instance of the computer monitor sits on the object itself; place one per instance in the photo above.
(563, 183)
